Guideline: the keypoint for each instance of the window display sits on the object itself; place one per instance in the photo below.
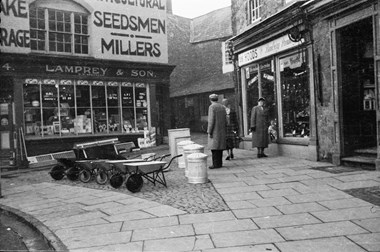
(260, 82)
(67, 107)
(295, 95)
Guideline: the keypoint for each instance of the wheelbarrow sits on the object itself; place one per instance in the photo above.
(132, 173)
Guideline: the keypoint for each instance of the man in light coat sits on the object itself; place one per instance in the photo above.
(216, 131)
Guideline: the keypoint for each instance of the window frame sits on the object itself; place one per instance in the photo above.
(48, 32)
(254, 10)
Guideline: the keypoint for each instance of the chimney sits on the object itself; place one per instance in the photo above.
(169, 9)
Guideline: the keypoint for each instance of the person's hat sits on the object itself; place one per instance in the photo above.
(261, 99)
(213, 97)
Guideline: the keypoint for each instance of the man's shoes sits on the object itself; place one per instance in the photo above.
(232, 155)
(258, 155)
(228, 158)
(214, 167)
(263, 155)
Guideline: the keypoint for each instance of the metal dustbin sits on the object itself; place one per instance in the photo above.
(189, 149)
(180, 145)
(197, 166)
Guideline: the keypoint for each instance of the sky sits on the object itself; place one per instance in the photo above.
(196, 8)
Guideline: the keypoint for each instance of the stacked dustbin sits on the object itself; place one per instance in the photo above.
(195, 163)
(180, 146)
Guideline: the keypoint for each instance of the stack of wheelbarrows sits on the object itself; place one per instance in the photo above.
(110, 160)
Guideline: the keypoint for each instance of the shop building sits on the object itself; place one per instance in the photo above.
(315, 62)
(78, 70)
(197, 49)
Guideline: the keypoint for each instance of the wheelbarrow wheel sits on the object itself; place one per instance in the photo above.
(72, 173)
(134, 182)
(57, 172)
(85, 175)
(116, 180)
(101, 177)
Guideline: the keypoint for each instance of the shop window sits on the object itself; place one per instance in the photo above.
(113, 107)
(254, 10)
(295, 95)
(141, 106)
(128, 107)
(260, 82)
(83, 119)
(58, 31)
(99, 107)
(68, 107)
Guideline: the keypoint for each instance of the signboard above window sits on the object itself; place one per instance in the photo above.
(115, 30)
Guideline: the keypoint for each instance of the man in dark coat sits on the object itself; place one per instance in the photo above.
(259, 128)
(216, 131)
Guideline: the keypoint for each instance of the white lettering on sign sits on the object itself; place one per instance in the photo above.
(80, 70)
(266, 50)
(142, 73)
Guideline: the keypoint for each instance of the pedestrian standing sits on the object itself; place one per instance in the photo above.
(259, 128)
(216, 131)
(232, 139)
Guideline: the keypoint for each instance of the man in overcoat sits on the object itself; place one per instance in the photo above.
(259, 128)
(216, 131)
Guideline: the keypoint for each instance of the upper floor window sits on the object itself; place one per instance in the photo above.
(254, 10)
(58, 31)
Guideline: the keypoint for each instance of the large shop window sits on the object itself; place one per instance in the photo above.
(67, 107)
(295, 95)
(260, 81)
(58, 31)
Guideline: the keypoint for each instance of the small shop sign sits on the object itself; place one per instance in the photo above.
(281, 44)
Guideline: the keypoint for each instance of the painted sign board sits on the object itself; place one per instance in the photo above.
(125, 30)
(281, 44)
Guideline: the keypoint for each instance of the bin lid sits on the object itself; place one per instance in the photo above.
(193, 147)
(185, 142)
(197, 155)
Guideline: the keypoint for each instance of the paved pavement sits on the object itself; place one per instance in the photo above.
(268, 204)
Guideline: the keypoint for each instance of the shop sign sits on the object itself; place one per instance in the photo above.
(14, 30)
(266, 50)
(133, 30)
(126, 30)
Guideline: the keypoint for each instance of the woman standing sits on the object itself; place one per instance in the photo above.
(259, 128)
(231, 129)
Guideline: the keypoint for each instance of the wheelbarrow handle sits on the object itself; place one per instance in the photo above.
(171, 160)
(163, 156)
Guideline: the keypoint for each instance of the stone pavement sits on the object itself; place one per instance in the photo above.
(268, 204)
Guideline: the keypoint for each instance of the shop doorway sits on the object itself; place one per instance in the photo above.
(355, 47)
(7, 151)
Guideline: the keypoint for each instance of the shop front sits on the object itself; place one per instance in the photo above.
(79, 71)
(274, 64)
(348, 100)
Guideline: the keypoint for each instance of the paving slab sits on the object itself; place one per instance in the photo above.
(323, 230)
(256, 212)
(162, 232)
(240, 238)
(335, 244)
(224, 226)
(372, 225)
(275, 201)
(285, 220)
(98, 240)
(150, 223)
(357, 213)
(131, 246)
(300, 208)
(370, 242)
(344, 203)
(251, 248)
(201, 243)
(206, 217)
(89, 230)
